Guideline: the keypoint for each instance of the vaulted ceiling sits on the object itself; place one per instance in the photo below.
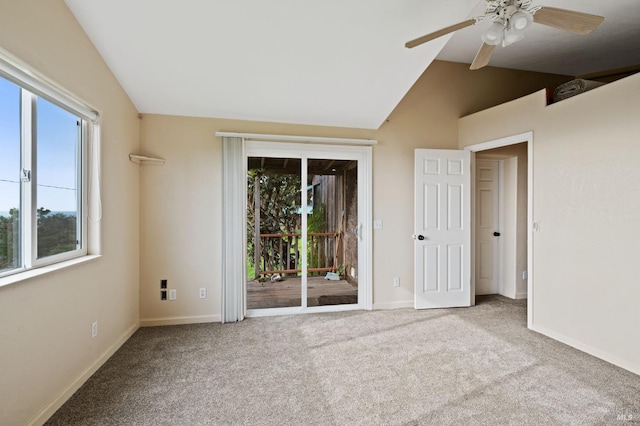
(331, 62)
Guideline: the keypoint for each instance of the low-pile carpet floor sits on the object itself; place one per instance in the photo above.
(478, 366)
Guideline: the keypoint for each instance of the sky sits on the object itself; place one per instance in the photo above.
(57, 138)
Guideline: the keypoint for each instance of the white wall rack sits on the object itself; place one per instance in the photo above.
(142, 160)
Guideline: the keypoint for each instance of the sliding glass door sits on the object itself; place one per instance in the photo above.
(274, 232)
(304, 228)
(332, 226)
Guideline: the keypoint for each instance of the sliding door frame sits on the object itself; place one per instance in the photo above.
(305, 151)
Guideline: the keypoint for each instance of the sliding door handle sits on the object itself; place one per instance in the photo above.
(358, 232)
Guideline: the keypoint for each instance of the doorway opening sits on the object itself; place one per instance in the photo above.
(502, 230)
(501, 221)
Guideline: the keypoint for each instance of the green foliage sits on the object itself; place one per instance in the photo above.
(10, 240)
(56, 234)
(317, 221)
(342, 270)
(279, 209)
(251, 271)
(280, 213)
(279, 201)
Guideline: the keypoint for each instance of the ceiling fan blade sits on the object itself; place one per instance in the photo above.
(568, 20)
(431, 36)
(483, 56)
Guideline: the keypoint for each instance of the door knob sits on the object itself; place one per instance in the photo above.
(496, 234)
(421, 237)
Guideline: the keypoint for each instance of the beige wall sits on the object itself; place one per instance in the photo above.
(174, 231)
(45, 322)
(181, 201)
(586, 184)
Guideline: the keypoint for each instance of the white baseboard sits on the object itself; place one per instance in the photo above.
(48, 411)
(521, 295)
(627, 365)
(153, 322)
(394, 305)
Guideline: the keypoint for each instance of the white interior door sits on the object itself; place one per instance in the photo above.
(442, 228)
(488, 232)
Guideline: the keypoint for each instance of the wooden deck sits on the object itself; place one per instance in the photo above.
(287, 293)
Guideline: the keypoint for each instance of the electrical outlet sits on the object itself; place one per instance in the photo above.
(172, 294)
(163, 283)
(203, 293)
(163, 295)
(396, 282)
(377, 224)
(94, 329)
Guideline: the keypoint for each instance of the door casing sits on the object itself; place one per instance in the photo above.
(531, 222)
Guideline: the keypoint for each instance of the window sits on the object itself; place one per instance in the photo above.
(43, 188)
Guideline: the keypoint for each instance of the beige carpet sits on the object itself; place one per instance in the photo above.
(440, 367)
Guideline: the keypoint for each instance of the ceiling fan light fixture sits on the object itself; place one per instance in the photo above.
(520, 20)
(519, 23)
(494, 34)
(511, 37)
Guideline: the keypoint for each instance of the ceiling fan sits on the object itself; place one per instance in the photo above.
(511, 19)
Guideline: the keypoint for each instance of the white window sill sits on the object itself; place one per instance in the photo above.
(36, 272)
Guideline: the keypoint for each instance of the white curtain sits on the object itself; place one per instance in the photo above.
(233, 229)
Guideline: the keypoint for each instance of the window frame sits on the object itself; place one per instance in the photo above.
(33, 86)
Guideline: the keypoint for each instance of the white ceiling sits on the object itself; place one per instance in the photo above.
(331, 62)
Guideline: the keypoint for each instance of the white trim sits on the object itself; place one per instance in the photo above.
(298, 139)
(606, 356)
(23, 75)
(365, 194)
(28, 146)
(93, 210)
(472, 215)
(530, 230)
(404, 304)
(201, 319)
(64, 396)
(512, 140)
(296, 310)
(498, 143)
(36, 272)
(304, 226)
(501, 262)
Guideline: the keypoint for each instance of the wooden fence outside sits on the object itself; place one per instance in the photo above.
(280, 253)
